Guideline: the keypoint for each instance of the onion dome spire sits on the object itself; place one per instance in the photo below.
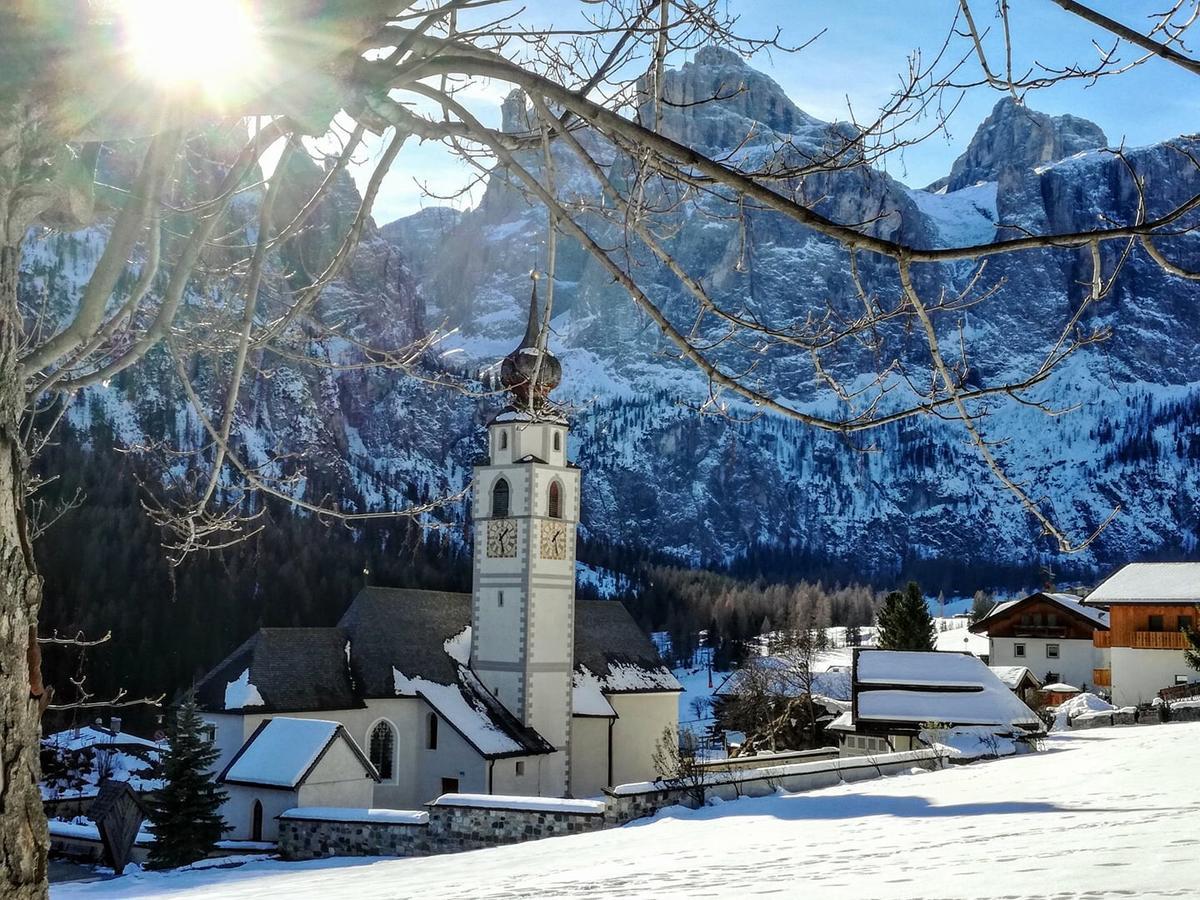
(531, 375)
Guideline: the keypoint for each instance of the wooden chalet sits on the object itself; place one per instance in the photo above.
(1151, 606)
(1051, 634)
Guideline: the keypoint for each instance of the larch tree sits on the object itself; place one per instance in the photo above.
(158, 84)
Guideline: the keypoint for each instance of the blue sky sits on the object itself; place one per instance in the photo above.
(865, 46)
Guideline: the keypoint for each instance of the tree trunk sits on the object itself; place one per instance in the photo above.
(23, 836)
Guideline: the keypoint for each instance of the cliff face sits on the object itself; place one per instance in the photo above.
(1015, 138)
(659, 476)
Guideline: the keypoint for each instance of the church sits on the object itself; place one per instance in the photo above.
(516, 688)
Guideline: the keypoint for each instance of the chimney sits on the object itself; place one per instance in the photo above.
(115, 725)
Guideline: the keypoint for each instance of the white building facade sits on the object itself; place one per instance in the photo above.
(516, 688)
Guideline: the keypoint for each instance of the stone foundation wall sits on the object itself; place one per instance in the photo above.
(315, 839)
(456, 828)
(452, 828)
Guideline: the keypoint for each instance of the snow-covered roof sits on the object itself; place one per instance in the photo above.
(1059, 688)
(1012, 676)
(918, 668)
(912, 687)
(240, 693)
(88, 736)
(1067, 602)
(474, 714)
(999, 707)
(283, 751)
(587, 696)
(535, 804)
(1150, 583)
(365, 816)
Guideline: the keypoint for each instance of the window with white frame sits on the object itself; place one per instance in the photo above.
(1018, 650)
(1052, 651)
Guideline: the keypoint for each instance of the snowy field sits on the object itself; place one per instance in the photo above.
(1103, 813)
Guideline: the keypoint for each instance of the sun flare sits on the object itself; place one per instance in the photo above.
(205, 44)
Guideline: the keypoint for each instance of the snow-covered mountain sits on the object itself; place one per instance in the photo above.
(659, 476)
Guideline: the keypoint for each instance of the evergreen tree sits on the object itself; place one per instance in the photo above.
(905, 622)
(1192, 652)
(186, 813)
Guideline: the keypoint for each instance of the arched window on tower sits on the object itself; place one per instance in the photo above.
(504, 440)
(500, 499)
(383, 749)
(554, 507)
(557, 441)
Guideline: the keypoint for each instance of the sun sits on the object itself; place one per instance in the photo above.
(210, 45)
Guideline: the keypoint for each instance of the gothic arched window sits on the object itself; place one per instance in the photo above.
(431, 732)
(504, 440)
(557, 441)
(500, 499)
(554, 507)
(382, 747)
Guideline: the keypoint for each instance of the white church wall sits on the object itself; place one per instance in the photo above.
(229, 733)
(589, 755)
(507, 780)
(642, 718)
(453, 758)
(238, 810)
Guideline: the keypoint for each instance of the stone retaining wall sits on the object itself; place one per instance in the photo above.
(457, 826)
(1136, 717)
(318, 838)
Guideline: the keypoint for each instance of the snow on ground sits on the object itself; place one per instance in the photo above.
(1103, 813)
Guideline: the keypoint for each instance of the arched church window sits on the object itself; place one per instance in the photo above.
(383, 749)
(504, 440)
(500, 499)
(431, 732)
(557, 441)
(256, 820)
(555, 505)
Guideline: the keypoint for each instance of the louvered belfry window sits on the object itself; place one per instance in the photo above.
(555, 504)
(500, 499)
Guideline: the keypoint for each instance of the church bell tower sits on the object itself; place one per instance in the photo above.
(526, 509)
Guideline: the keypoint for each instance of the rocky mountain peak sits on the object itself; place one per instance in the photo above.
(752, 104)
(1015, 137)
(514, 113)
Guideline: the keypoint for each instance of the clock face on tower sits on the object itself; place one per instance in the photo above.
(554, 540)
(502, 538)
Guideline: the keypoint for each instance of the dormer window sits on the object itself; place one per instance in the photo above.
(500, 499)
(554, 506)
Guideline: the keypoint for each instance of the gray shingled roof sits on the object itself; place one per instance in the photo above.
(614, 649)
(404, 628)
(276, 657)
(304, 669)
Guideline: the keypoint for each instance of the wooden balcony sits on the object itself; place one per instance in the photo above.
(1102, 677)
(1159, 640)
(1102, 639)
(1040, 631)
